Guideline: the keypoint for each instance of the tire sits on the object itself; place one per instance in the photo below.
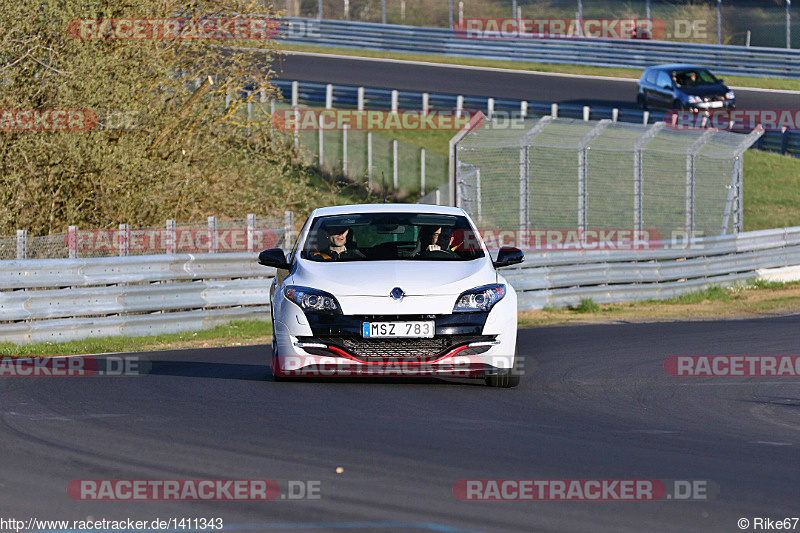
(508, 378)
(274, 360)
(641, 102)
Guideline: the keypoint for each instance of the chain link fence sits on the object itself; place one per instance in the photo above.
(553, 173)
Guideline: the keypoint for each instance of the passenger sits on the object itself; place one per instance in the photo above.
(432, 241)
(334, 245)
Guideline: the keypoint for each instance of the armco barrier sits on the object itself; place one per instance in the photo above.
(626, 53)
(560, 278)
(67, 299)
(346, 96)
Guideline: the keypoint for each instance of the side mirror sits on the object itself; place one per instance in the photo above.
(509, 256)
(274, 257)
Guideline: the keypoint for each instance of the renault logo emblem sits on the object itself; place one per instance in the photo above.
(397, 293)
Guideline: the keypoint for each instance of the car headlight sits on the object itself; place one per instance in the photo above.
(312, 300)
(694, 99)
(730, 95)
(480, 298)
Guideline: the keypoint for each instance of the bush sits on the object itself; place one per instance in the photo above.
(115, 173)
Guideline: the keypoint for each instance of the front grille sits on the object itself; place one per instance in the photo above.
(394, 348)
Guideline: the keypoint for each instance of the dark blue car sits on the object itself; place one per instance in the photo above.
(683, 87)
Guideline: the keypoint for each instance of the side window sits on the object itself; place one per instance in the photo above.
(664, 80)
(291, 257)
(651, 77)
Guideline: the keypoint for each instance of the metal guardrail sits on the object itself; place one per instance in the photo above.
(68, 299)
(346, 97)
(725, 59)
(561, 278)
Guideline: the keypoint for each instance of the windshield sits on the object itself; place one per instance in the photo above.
(391, 237)
(693, 78)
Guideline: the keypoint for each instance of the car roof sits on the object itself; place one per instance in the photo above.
(676, 66)
(387, 208)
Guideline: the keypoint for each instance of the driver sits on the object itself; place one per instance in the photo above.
(334, 245)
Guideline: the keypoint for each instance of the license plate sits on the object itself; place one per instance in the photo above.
(418, 329)
(715, 104)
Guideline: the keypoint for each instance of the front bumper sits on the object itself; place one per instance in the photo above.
(712, 106)
(462, 346)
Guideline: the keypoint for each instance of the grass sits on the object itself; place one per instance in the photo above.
(771, 191)
(234, 334)
(757, 298)
(738, 81)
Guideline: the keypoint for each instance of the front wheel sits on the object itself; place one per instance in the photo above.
(641, 101)
(507, 378)
(274, 361)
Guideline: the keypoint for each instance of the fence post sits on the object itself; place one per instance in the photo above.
(422, 171)
(361, 98)
(172, 242)
(638, 172)
(296, 128)
(321, 147)
(395, 96)
(369, 160)
(249, 111)
(690, 182)
(251, 232)
(22, 244)
(295, 93)
(319, 9)
(288, 228)
(124, 240)
(212, 235)
(554, 110)
(72, 241)
(478, 199)
(344, 149)
(523, 109)
(438, 197)
(425, 103)
(272, 108)
(263, 96)
(583, 174)
(646, 117)
(395, 180)
(459, 105)
(614, 114)
(490, 108)
(329, 96)
(586, 111)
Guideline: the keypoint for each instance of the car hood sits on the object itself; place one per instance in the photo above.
(378, 278)
(705, 90)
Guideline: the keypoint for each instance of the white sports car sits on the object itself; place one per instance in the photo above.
(393, 290)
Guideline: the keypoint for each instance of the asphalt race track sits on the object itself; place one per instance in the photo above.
(597, 405)
(537, 87)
